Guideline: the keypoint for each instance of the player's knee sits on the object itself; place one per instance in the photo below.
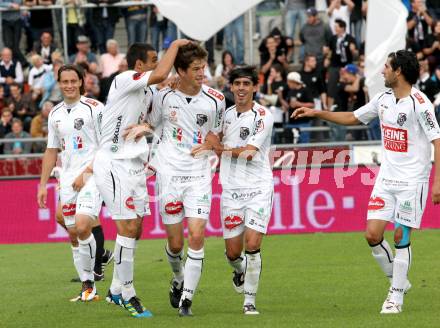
(196, 240)
(252, 245)
(59, 218)
(232, 254)
(73, 236)
(373, 237)
(175, 246)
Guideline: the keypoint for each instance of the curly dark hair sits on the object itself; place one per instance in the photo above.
(249, 72)
(408, 64)
(187, 54)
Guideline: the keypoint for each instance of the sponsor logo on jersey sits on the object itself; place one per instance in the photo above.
(401, 119)
(428, 119)
(197, 137)
(406, 207)
(137, 76)
(232, 221)
(129, 203)
(92, 102)
(376, 203)
(201, 119)
(174, 207)
(177, 134)
(245, 195)
(216, 94)
(261, 111)
(116, 133)
(78, 123)
(419, 98)
(173, 116)
(259, 127)
(69, 209)
(395, 139)
(77, 142)
(244, 133)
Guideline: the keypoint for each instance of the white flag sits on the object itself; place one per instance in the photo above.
(386, 32)
(201, 19)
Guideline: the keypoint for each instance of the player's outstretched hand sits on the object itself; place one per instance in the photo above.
(303, 112)
(80, 181)
(201, 150)
(435, 193)
(136, 131)
(42, 197)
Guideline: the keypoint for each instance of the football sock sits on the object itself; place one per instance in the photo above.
(402, 263)
(192, 272)
(238, 264)
(76, 260)
(124, 261)
(383, 255)
(99, 237)
(176, 262)
(87, 251)
(252, 275)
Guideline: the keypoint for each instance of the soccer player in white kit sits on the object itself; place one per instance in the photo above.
(183, 185)
(72, 128)
(247, 181)
(119, 163)
(399, 195)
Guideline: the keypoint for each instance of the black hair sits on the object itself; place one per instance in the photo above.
(138, 51)
(78, 70)
(341, 23)
(408, 64)
(227, 52)
(249, 72)
(187, 54)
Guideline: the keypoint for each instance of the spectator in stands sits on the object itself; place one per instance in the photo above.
(158, 25)
(2, 99)
(234, 35)
(5, 125)
(431, 48)
(136, 23)
(223, 69)
(418, 22)
(342, 52)
(104, 22)
(17, 147)
(106, 82)
(315, 35)
(10, 70)
(39, 126)
(11, 28)
(83, 54)
(109, 62)
(295, 12)
(40, 20)
(356, 20)
(425, 84)
(275, 81)
(268, 14)
(35, 77)
(91, 81)
(21, 105)
(297, 95)
(433, 8)
(76, 20)
(45, 47)
(272, 51)
(51, 89)
(313, 79)
(340, 9)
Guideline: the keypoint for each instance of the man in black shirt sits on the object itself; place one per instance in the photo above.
(313, 79)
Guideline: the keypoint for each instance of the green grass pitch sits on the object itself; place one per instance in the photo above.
(314, 280)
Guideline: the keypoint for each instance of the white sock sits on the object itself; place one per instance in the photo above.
(124, 262)
(402, 262)
(252, 276)
(192, 272)
(176, 262)
(383, 255)
(87, 253)
(238, 264)
(76, 260)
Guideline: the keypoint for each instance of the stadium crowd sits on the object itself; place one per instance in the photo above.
(311, 54)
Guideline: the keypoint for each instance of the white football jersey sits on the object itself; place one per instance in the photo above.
(127, 104)
(253, 127)
(73, 129)
(185, 121)
(408, 126)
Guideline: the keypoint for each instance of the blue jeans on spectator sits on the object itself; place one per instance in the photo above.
(293, 17)
(136, 30)
(103, 31)
(156, 30)
(304, 136)
(235, 30)
(171, 30)
(356, 28)
(374, 129)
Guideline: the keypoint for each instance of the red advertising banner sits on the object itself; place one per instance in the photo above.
(305, 201)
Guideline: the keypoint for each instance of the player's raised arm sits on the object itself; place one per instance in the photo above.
(343, 118)
(165, 65)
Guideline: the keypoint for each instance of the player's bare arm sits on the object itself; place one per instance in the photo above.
(49, 162)
(212, 142)
(81, 179)
(343, 118)
(435, 193)
(162, 70)
(137, 131)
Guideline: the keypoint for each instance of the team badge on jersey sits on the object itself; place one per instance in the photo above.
(244, 133)
(201, 119)
(197, 137)
(78, 123)
(401, 119)
(259, 126)
(77, 142)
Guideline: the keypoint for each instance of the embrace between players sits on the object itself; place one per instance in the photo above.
(104, 154)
